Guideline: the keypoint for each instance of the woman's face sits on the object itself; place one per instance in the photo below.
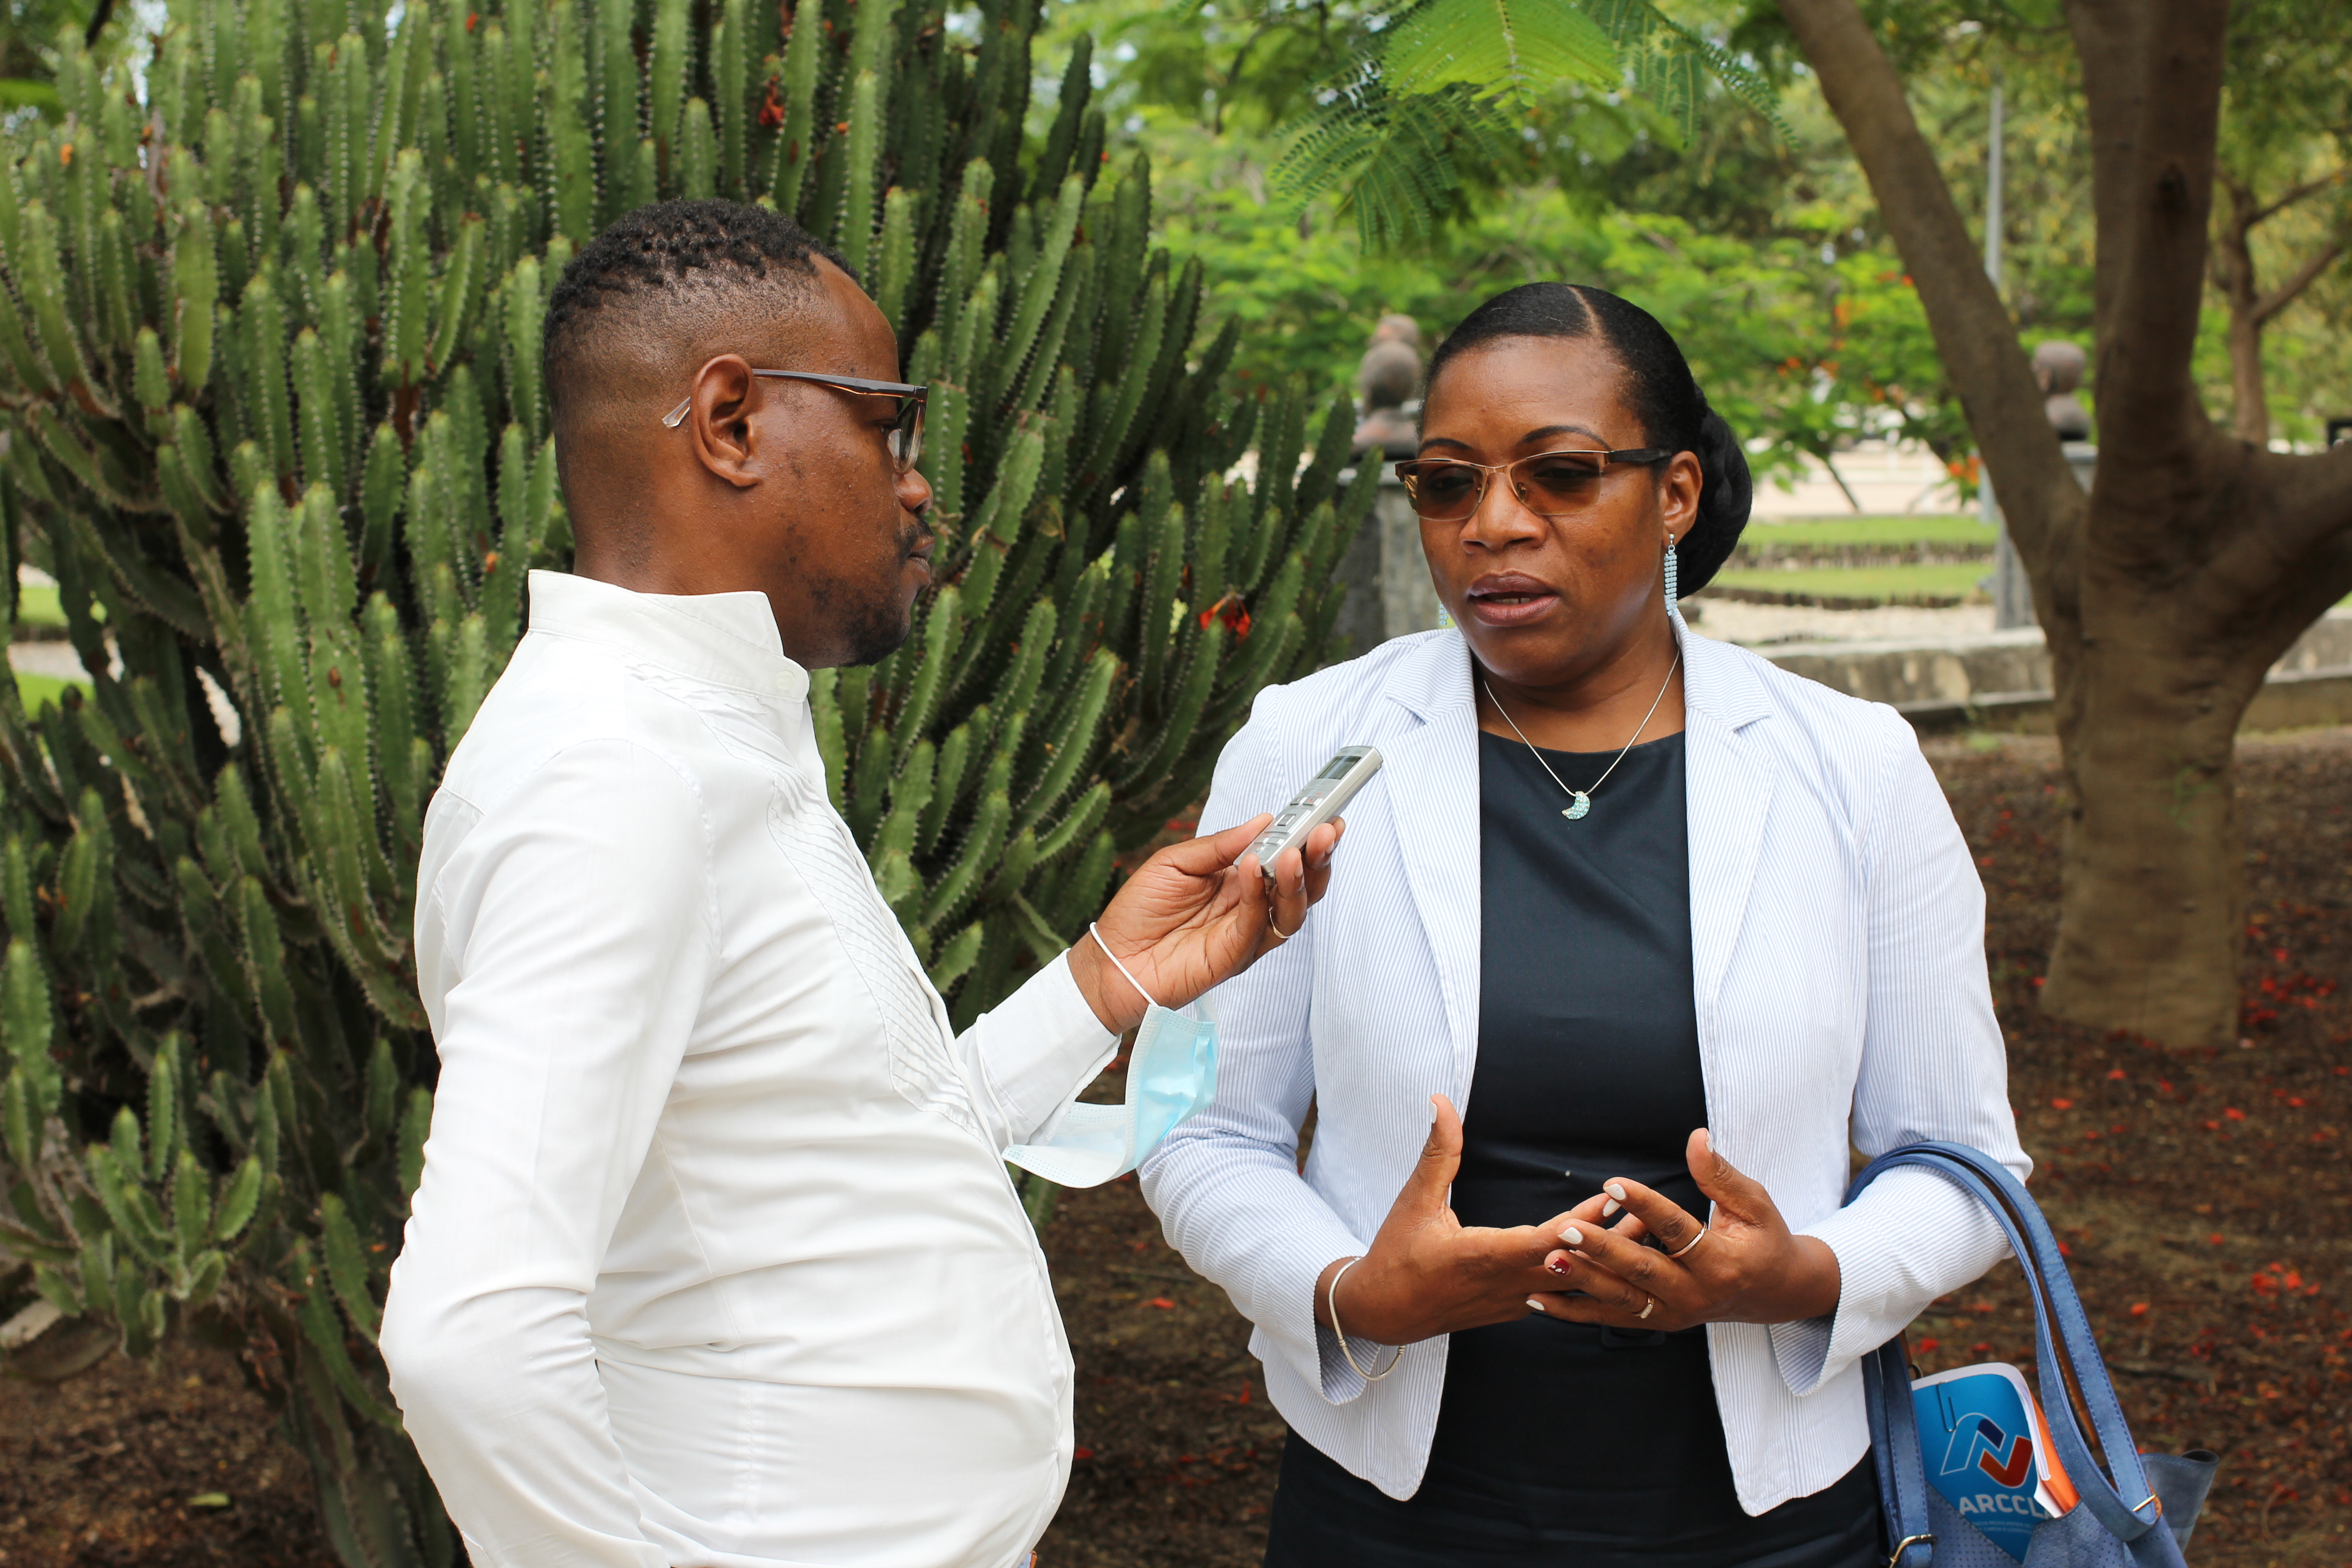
(1545, 600)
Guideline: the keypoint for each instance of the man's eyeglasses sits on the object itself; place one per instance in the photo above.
(905, 437)
(1549, 484)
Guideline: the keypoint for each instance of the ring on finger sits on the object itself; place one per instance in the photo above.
(1693, 1241)
(1649, 1305)
(1277, 932)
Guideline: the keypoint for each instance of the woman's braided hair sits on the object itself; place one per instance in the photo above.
(1673, 411)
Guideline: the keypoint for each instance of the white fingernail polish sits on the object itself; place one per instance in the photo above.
(1615, 1190)
(1609, 1208)
(1535, 1305)
(1572, 1235)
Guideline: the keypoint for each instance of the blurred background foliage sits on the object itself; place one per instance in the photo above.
(1762, 252)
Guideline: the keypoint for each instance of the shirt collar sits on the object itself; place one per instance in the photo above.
(728, 639)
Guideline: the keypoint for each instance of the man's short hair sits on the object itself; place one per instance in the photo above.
(660, 283)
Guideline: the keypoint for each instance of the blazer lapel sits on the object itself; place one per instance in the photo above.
(1434, 792)
(1730, 794)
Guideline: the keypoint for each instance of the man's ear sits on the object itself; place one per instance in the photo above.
(719, 418)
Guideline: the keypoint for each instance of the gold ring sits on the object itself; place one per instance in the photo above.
(1276, 931)
(1653, 1306)
(1694, 1240)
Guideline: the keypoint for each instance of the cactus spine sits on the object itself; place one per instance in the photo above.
(270, 389)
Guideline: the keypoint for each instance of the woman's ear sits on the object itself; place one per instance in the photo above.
(1679, 488)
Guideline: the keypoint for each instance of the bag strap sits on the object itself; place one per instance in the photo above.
(1894, 1454)
(2074, 1381)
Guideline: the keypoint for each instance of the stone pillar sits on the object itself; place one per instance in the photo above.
(1385, 575)
(2058, 367)
(1408, 596)
(2013, 592)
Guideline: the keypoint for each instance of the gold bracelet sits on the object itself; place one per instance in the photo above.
(1331, 1304)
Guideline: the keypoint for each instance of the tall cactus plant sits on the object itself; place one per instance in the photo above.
(272, 407)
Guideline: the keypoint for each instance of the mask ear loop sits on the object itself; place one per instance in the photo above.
(1132, 980)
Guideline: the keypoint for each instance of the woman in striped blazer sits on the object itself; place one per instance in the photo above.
(1676, 931)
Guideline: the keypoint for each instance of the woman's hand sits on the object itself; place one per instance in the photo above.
(1429, 1274)
(1747, 1268)
(1189, 918)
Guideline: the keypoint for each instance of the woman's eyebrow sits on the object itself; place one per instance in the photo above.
(1547, 432)
(1542, 433)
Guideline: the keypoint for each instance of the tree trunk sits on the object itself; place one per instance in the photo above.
(2233, 275)
(2250, 417)
(2149, 921)
(2167, 593)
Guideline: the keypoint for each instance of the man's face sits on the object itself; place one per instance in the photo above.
(839, 532)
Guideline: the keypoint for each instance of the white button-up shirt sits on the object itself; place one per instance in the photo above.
(715, 1260)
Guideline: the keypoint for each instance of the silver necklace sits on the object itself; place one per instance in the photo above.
(1580, 801)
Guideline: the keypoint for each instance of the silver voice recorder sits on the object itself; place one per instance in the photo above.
(1317, 803)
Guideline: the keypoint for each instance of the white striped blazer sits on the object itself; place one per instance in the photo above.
(1837, 937)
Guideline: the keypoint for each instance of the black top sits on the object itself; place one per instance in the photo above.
(1559, 1443)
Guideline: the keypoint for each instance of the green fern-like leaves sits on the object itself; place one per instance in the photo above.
(1515, 50)
(1670, 64)
(1397, 159)
(1444, 99)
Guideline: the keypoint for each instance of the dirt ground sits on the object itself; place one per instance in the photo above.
(2203, 1196)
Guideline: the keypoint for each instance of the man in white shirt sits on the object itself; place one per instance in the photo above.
(715, 1260)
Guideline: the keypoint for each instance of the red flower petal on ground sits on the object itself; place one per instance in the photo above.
(1081, 1452)
(2139, 1308)
(1163, 1303)
(1925, 1345)
(2062, 1105)
(2233, 1113)
(2114, 1075)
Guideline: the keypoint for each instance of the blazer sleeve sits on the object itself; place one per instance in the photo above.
(1934, 1066)
(1225, 1183)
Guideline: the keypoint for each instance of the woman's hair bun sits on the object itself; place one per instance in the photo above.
(1724, 499)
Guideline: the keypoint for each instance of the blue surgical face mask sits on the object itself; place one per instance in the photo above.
(1171, 1075)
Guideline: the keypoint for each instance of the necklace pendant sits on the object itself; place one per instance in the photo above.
(1581, 804)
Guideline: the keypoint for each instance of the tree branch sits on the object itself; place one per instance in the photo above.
(1971, 327)
(2308, 189)
(2278, 299)
(2152, 80)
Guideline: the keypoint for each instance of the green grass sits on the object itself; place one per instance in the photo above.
(1887, 532)
(35, 689)
(1865, 581)
(36, 604)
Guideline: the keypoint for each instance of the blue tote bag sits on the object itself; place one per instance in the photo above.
(2135, 1510)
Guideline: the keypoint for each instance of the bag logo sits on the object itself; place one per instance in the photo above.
(1982, 1444)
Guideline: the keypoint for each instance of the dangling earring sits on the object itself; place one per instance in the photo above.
(1674, 592)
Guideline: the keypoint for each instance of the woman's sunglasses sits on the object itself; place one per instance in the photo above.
(1549, 484)
(905, 437)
